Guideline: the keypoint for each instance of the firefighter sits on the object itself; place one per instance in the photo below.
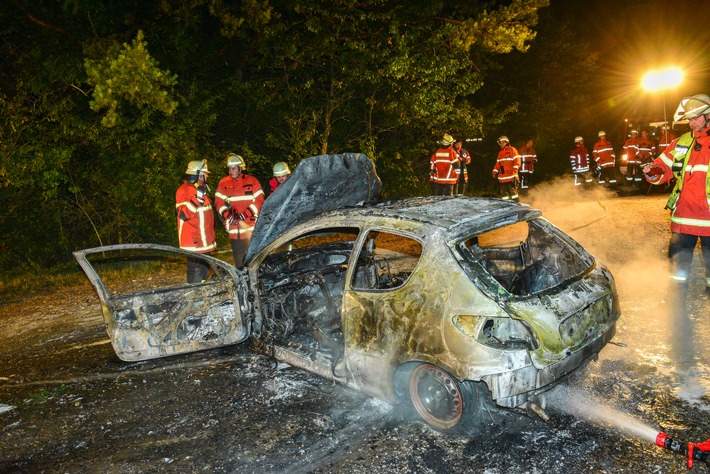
(195, 218)
(605, 160)
(528, 158)
(239, 198)
(646, 152)
(631, 149)
(579, 159)
(687, 159)
(461, 171)
(667, 136)
(506, 169)
(281, 172)
(444, 162)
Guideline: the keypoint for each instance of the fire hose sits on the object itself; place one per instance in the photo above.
(692, 451)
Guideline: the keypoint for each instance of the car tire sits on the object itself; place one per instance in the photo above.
(440, 400)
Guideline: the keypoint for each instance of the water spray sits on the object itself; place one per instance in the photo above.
(692, 451)
(580, 403)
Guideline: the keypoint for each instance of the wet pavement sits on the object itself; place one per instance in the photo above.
(67, 404)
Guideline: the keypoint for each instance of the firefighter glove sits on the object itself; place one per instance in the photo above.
(653, 173)
(236, 217)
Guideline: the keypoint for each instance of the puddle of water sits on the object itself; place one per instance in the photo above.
(693, 386)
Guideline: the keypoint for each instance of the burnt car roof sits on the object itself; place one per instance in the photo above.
(457, 215)
(348, 184)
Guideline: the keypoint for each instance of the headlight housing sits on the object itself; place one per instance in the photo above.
(503, 333)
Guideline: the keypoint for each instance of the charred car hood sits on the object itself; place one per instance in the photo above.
(319, 183)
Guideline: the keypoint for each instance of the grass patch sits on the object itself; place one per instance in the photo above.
(41, 396)
(15, 288)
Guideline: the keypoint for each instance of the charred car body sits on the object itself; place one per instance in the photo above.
(442, 301)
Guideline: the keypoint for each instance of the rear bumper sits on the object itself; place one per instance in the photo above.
(514, 388)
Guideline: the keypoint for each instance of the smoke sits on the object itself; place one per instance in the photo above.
(630, 234)
(619, 231)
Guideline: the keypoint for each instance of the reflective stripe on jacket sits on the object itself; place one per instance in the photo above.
(444, 162)
(507, 164)
(464, 159)
(528, 158)
(195, 221)
(579, 159)
(245, 196)
(687, 159)
(646, 150)
(604, 153)
(631, 148)
(666, 139)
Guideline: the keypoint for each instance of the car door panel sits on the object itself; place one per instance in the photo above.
(173, 319)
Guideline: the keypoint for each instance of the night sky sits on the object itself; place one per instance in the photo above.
(633, 37)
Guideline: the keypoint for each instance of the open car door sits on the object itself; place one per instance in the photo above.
(150, 310)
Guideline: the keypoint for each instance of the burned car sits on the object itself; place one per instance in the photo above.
(443, 303)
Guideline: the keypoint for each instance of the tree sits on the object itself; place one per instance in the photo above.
(105, 102)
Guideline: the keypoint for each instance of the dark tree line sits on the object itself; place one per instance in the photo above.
(103, 103)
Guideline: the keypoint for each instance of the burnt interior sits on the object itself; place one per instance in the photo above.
(302, 283)
(302, 292)
(527, 257)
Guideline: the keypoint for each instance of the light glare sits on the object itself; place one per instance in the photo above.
(662, 79)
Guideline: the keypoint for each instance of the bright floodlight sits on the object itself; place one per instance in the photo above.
(662, 79)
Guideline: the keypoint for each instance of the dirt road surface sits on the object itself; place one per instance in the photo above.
(67, 404)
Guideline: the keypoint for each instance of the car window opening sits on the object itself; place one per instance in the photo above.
(526, 257)
(386, 261)
(302, 285)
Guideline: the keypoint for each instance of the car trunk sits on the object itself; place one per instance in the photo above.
(542, 277)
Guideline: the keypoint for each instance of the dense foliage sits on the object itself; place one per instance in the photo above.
(103, 103)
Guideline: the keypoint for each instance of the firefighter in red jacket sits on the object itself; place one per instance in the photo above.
(195, 218)
(443, 164)
(647, 150)
(631, 149)
(461, 170)
(528, 158)
(281, 173)
(687, 159)
(238, 199)
(579, 159)
(506, 169)
(667, 136)
(605, 160)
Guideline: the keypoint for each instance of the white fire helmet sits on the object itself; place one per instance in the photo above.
(447, 140)
(578, 139)
(281, 169)
(235, 160)
(602, 133)
(503, 138)
(197, 167)
(691, 107)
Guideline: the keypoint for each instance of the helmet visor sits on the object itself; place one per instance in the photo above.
(691, 107)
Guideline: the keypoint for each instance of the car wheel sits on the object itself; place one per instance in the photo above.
(438, 397)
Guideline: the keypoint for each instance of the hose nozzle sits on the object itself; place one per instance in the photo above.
(693, 451)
